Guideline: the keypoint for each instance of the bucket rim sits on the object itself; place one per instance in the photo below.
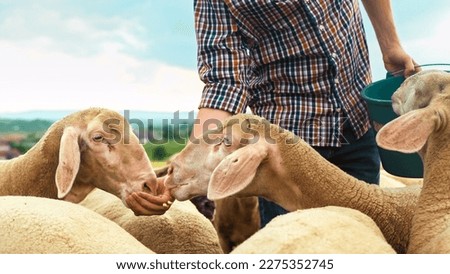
(371, 99)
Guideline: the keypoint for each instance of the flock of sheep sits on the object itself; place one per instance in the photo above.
(68, 193)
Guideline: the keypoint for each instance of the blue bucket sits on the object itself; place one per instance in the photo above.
(378, 98)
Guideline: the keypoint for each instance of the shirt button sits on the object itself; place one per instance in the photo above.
(338, 110)
(321, 27)
(335, 56)
(307, 1)
(336, 80)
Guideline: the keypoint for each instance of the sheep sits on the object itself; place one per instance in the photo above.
(181, 229)
(235, 220)
(36, 225)
(248, 156)
(423, 105)
(203, 205)
(389, 180)
(90, 148)
(324, 230)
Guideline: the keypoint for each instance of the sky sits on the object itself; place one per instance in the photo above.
(141, 55)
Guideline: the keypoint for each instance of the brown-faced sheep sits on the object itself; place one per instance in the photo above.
(248, 156)
(87, 149)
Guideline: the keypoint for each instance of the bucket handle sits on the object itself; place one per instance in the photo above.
(400, 72)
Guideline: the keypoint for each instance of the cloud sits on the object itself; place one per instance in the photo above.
(57, 58)
(61, 55)
(425, 37)
(72, 32)
(36, 78)
(432, 46)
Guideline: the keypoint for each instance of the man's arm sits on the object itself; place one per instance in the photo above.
(394, 56)
(205, 114)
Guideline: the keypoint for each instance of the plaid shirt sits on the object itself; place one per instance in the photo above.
(300, 64)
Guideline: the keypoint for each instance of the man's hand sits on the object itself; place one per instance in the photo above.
(143, 203)
(397, 61)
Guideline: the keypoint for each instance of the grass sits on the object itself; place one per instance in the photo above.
(156, 164)
(161, 153)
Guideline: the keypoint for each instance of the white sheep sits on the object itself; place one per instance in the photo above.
(237, 218)
(180, 230)
(423, 103)
(35, 225)
(248, 156)
(386, 181)
(87, 149)
(323, 230)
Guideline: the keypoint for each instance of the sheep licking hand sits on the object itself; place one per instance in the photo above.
(248, 156)
(87, 149)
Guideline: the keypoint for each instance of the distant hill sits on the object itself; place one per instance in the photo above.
(54, 115)
(40, 120)
(23, 126)
(37, 114)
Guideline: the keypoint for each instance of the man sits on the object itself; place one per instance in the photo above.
(301, 65)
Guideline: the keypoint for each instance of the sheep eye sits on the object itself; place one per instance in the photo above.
(226, 141)
(97, 138)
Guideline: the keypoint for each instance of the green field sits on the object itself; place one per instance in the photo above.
(164, 151)
(8, 126)
(33, 130)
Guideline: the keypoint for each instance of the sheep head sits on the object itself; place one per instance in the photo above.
(224, 161)
(418, 90)
(99, 149)
(422, 103)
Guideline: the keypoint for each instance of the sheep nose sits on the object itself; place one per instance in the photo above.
(150, 184)
(396, 97)
(173, 165)
(169, 170)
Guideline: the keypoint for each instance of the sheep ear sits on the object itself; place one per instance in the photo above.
(69, 161)
(409, 132)
(236, 171)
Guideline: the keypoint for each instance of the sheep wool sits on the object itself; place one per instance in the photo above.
(327, 230)
(35, 225)
(180, 230)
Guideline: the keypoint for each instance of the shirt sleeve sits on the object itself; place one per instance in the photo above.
(222, 57)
